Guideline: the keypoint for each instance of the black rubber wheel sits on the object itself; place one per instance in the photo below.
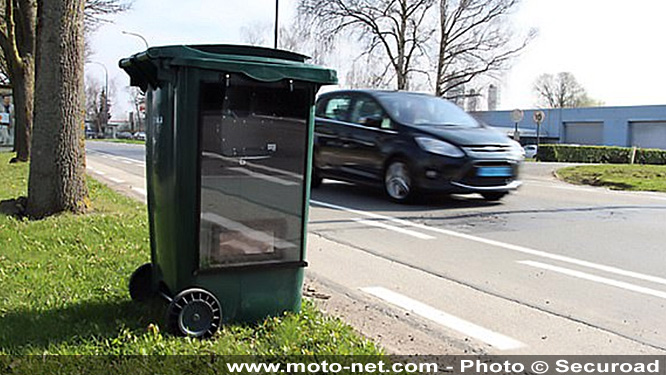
(398, 182)
(141, 283)
(194, 313)
(493, 196)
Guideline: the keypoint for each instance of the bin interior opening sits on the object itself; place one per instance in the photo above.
(253, 145)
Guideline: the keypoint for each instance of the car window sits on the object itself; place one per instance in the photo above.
(337, 108)
(425, 110)
(369, 113)
(320, 107)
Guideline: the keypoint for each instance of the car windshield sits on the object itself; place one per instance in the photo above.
(425, 110)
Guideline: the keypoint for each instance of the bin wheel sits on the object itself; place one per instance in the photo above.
(141, 283)
(194, 313)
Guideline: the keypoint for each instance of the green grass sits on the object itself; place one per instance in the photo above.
(617, 176)
(64, 290)
(114, 140)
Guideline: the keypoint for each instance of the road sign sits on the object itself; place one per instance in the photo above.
(538, 117)
(517, 115)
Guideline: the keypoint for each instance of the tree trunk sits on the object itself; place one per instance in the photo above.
(24, 92)
(17, 40)
(57, 164)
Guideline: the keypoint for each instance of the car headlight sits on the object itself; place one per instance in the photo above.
(439, 147)
(517, 150)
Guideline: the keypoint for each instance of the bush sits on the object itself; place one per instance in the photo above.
(600, 154)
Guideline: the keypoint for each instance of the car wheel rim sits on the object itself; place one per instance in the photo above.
(398, 183)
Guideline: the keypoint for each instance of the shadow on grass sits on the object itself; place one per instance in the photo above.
(30, 329)
(608, 184)
(13, 207)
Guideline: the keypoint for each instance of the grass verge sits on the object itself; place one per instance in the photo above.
(64, 290)
(114, 140)
(617, 176)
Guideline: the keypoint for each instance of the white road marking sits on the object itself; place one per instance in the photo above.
(264, 177)
(253, 165)
(140, 191)
(520, 249)
(122, 159)
(268, 238)
(116, 180)
(100, 173)
(488, 336)
(598, 279)
(408, 232)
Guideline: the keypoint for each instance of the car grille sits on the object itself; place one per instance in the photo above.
(484, 151)
(472, 178)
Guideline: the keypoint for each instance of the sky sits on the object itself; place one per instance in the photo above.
(613, 47)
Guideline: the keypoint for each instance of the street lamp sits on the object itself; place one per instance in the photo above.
(138, 36)
(105, 105)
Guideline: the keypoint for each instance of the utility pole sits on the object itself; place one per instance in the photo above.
(277, 7)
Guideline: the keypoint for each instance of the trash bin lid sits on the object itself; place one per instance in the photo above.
(262, 64)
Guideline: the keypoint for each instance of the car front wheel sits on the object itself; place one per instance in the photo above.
(398, 182)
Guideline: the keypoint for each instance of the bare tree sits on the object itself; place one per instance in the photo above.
(474, 41)
(57, 167)
(562, 91)
(298, 36)
(97, 104)
(364, 73)
(303, 36)
(256, 34)
(17, 39)
(139, 104)
(396, 27)
(98, 11)
(4, 69)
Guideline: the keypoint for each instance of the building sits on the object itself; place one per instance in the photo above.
(641, 126)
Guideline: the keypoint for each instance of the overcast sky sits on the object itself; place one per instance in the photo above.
(613, 47)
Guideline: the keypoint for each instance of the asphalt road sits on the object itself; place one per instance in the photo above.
(553, 268)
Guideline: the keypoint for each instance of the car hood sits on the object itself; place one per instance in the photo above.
(465, 136)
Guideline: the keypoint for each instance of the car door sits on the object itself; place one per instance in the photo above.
(369, 131)
(332, 113)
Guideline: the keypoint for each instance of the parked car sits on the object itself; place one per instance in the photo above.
(141, 136)
(91, 134)
(531, 151)
(410, 143)
(124, 135)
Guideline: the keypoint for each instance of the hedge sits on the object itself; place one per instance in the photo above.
(599, 154)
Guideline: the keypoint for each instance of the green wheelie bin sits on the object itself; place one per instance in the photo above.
(229, 134)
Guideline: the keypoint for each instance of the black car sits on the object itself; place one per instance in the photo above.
(410, 143)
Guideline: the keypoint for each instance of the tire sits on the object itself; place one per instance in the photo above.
(398, 181)
(194, 313)
(493, 196)
(141, 283)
